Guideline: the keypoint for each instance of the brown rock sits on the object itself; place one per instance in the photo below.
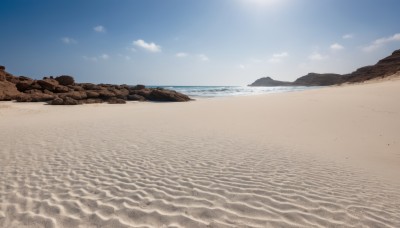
(76, 95)
(115, 100)
(61, 89)
(105, 94)
(8, 91)
(89, 86)
(65, 80)
(35, 97)
(92, 94)
(49, 84)
(76, 87)
(57, 101)
(70, 101)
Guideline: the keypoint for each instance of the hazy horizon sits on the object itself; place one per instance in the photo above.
(208, 42)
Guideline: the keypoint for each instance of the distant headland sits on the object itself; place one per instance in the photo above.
(385, 67)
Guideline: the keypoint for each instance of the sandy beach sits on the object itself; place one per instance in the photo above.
(319, 158)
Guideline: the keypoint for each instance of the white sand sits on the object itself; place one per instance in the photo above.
(321, 158)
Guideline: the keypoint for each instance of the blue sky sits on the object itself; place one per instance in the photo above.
(188, 42)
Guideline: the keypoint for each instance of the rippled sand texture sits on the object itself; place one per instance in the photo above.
(119, 166)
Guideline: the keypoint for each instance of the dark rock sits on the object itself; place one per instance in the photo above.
(65, 80)
(3, 68)
(34, 85)
(24, 85)
(138, 87)
(267, 81)
(135, 97)
(314, 79)
(167, 95)
(23, 78)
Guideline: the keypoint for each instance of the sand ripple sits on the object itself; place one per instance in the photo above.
(73, 177)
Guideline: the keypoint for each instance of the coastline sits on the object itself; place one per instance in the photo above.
(311, 158)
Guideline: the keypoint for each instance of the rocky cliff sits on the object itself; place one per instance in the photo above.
(314, 79)
(385, 67)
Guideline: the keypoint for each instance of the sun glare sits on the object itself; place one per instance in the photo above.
(261, 5)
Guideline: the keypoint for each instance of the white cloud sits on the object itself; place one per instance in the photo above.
(104, 56)
(336, 47)
(376, 44)
(348, 36)
(317, 56)
(280, 55)
(181, 55)
(127, 58)
(99, 28)
(151, 47)
(68, 40)
(277, 57)
(241, 66)
(203, 57)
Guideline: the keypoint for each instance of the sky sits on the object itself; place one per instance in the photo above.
(194, 42)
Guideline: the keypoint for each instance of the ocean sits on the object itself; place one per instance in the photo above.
(226, 91)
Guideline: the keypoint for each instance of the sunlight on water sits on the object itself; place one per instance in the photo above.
(223, 91)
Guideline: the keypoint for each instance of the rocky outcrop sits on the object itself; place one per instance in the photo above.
(65, 80)
(63, 90)
(8, 90)
(267, 81)
(385, 67)
(314, 79)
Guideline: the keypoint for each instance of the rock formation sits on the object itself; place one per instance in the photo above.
(63, 90)
(314, 79)
(385, 67)
(267, 81)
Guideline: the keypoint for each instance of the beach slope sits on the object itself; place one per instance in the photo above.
(320, 158)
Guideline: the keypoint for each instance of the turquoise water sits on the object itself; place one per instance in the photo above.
(224, 91)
